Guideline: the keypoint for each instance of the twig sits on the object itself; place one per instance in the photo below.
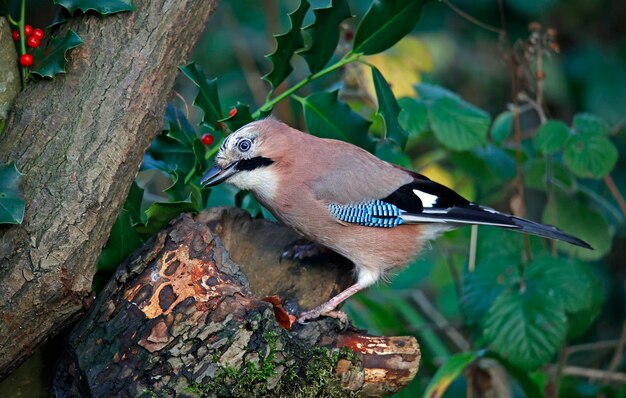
(608, 180)
(558, 374)
(471, 19)
(596, 346)
(472, 253)
(429, 309)
(619, 350)
(594, 374)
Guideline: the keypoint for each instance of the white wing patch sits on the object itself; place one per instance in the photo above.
(427, 199)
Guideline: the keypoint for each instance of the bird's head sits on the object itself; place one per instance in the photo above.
(245, 158)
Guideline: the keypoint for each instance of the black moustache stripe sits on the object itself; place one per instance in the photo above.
(253, 163)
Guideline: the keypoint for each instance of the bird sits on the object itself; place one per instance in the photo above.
(341, 197)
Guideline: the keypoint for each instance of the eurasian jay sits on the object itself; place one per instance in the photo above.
(340, 196)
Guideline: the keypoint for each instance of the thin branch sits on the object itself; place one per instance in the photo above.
(472, 19)
(608, 180)
(595, 346)
(598, 374)
(472, 253)
(429, 309)
(619, 350)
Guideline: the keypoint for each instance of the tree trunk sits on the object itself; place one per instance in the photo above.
(180, 318)
(80, 139)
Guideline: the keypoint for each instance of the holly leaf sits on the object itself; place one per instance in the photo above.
(11, 203)
(159, 214)
(385, 23)
(207, 98)
(286, 46)
(133, 203)
(178, 127)
(102, 7)
(324, 34)
(448, 372)
(391, 152)
(123, 240)
(389, 109)
(551, 136)
(525, 326)
(327, 117)
(241, 117)
(52, 60)
(173, 154)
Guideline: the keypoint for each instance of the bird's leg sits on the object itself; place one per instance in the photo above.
(328, 308)
(302, 249)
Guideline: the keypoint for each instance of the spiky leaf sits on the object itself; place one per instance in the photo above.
(207, 99)
(385, 23)
(52, 60)
(286, 46)
(122, 241)
(102, 7)
(389, 109)
(11, 203)
(324, 34)
(327, 117)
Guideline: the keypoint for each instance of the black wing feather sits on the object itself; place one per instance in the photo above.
(450, 207)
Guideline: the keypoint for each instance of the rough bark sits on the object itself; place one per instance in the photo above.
(80, 139)
(9, 74)
(179, 318)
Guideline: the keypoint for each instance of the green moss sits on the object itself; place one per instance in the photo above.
(308, 372)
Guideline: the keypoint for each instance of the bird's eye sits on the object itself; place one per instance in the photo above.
(244, 145)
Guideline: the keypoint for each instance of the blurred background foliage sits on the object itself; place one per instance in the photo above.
(496, 313)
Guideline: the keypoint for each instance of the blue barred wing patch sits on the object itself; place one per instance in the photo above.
(370, 214)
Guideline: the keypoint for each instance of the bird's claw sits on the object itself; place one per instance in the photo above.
(301, 250)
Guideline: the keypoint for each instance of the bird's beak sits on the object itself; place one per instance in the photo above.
(218, 175)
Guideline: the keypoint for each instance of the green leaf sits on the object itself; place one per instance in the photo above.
(52, 60)
(458, 125)
(502, 126)
(500, 162)
(391, 152)
(133, 203)
(580, 321)
(389, 109)
(586, 123)
(413, 115)
(528, 385)
(207, 99)
(286, 46)
(324, 34)
(483, 286)
(573, 217)
(11, 203)
(161, 213)
(327, 117)
(551, 136)
(385, 23)
(173, 154)
(427, 92)
(447, 373)
(561, 280)
(590, 156)
(525, 326)
(102, 7)
(240, 118)
(179, 127)
(123, 240)
(535, 175)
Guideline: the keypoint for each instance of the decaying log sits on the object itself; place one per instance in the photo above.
(79, 139)
(181, 318)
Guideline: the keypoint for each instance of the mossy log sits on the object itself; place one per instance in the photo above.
(185, 316)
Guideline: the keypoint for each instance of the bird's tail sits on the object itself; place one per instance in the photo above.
(479, 215)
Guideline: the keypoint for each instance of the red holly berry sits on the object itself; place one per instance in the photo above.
(26, 60)
(32, 41)
(28, 30)
(207, 139)
(232, 112)
(38, 33)
(16, 35)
